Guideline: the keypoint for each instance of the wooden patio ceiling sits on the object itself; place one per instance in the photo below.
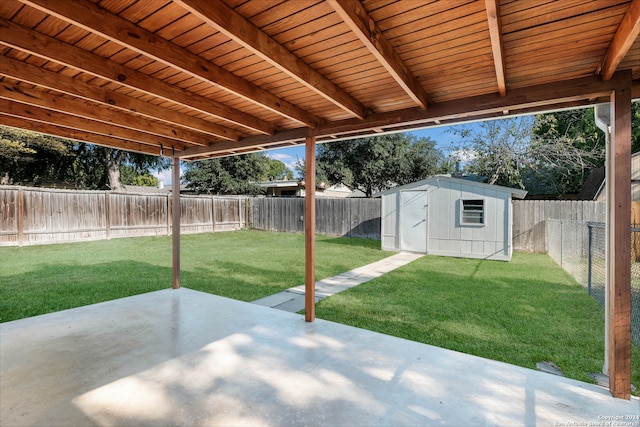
(201, 78)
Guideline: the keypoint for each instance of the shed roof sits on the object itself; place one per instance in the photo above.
(199, 78)
(437, 179)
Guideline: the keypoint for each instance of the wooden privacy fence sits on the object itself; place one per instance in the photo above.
(37, 216)
(530, 219)
(334, 216)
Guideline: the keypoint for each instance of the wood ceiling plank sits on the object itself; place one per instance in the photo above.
(177, 29)
(118, 6)
(44, 115)
(356, 17)
(220, 16)
(92, 18)
(422, 26)
(395, 11)
(52, 26)
(28, 17)
(10, 9)
(590, 23)
(592, 48)
(46, 47)
(92, 110)
(77, 135)
(162, 17)
(472, 31)
(139, 10)
(495, 34)
(624, 38)
(547, 13)
(191, 37)
(275, 18)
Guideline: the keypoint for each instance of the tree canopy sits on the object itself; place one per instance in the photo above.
(31, 158)
(550, 153)
(235, 174)
(377, 163)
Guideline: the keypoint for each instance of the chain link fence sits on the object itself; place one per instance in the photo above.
(578, 247)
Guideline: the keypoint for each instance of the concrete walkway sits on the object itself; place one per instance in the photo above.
(292, 299)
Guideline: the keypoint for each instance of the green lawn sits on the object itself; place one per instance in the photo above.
(244, 265)
(522, 312)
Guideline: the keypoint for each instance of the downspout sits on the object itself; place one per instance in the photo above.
(602, 114)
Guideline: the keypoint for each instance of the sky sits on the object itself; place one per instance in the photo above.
(442, 135)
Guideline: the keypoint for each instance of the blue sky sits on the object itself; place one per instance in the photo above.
(440, 135)
(289, 156)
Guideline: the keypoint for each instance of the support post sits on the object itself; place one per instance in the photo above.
(20, 216)
(590, 258)
(175, 215)
(107, 215)
(310, 230)
(619, 244)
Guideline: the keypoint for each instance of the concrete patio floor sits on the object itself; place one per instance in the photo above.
(181, 357)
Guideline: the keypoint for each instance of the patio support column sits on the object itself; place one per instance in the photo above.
(310, 230)
(619, 244)
(175, 220)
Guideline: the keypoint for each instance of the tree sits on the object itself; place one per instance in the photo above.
(572, 131)
(30, 157)
(495, 150)
(228, 175)
(509, 152)
(129, 176)
(278, 170)
(377, 163)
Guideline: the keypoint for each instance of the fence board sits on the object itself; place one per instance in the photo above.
(38, 216)
(334, 216)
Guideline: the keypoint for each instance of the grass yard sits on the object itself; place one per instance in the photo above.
(244, 265)
(522, 312)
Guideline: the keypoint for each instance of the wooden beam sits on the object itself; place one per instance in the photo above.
(619, 245)
(27, 40)
(497, 48)
(356, 17)
(622, 41)
(77, 135)
(39, 114)
(75, 87)
(220, 16)
(99, 21)
(175, 221)
(571, 93)
(81, 108)
(310, 230)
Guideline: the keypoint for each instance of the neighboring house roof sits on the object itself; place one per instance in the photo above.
(278, 184)
(593, 186)
(145, 189)
(515, 193)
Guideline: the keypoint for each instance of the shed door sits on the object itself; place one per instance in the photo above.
(413, 221)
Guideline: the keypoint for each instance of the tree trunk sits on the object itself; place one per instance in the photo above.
(113, 158)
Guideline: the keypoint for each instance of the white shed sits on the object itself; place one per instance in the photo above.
(449, 216)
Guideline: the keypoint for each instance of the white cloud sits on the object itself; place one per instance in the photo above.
(165, 175)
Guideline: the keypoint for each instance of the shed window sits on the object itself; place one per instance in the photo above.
(473, 212)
